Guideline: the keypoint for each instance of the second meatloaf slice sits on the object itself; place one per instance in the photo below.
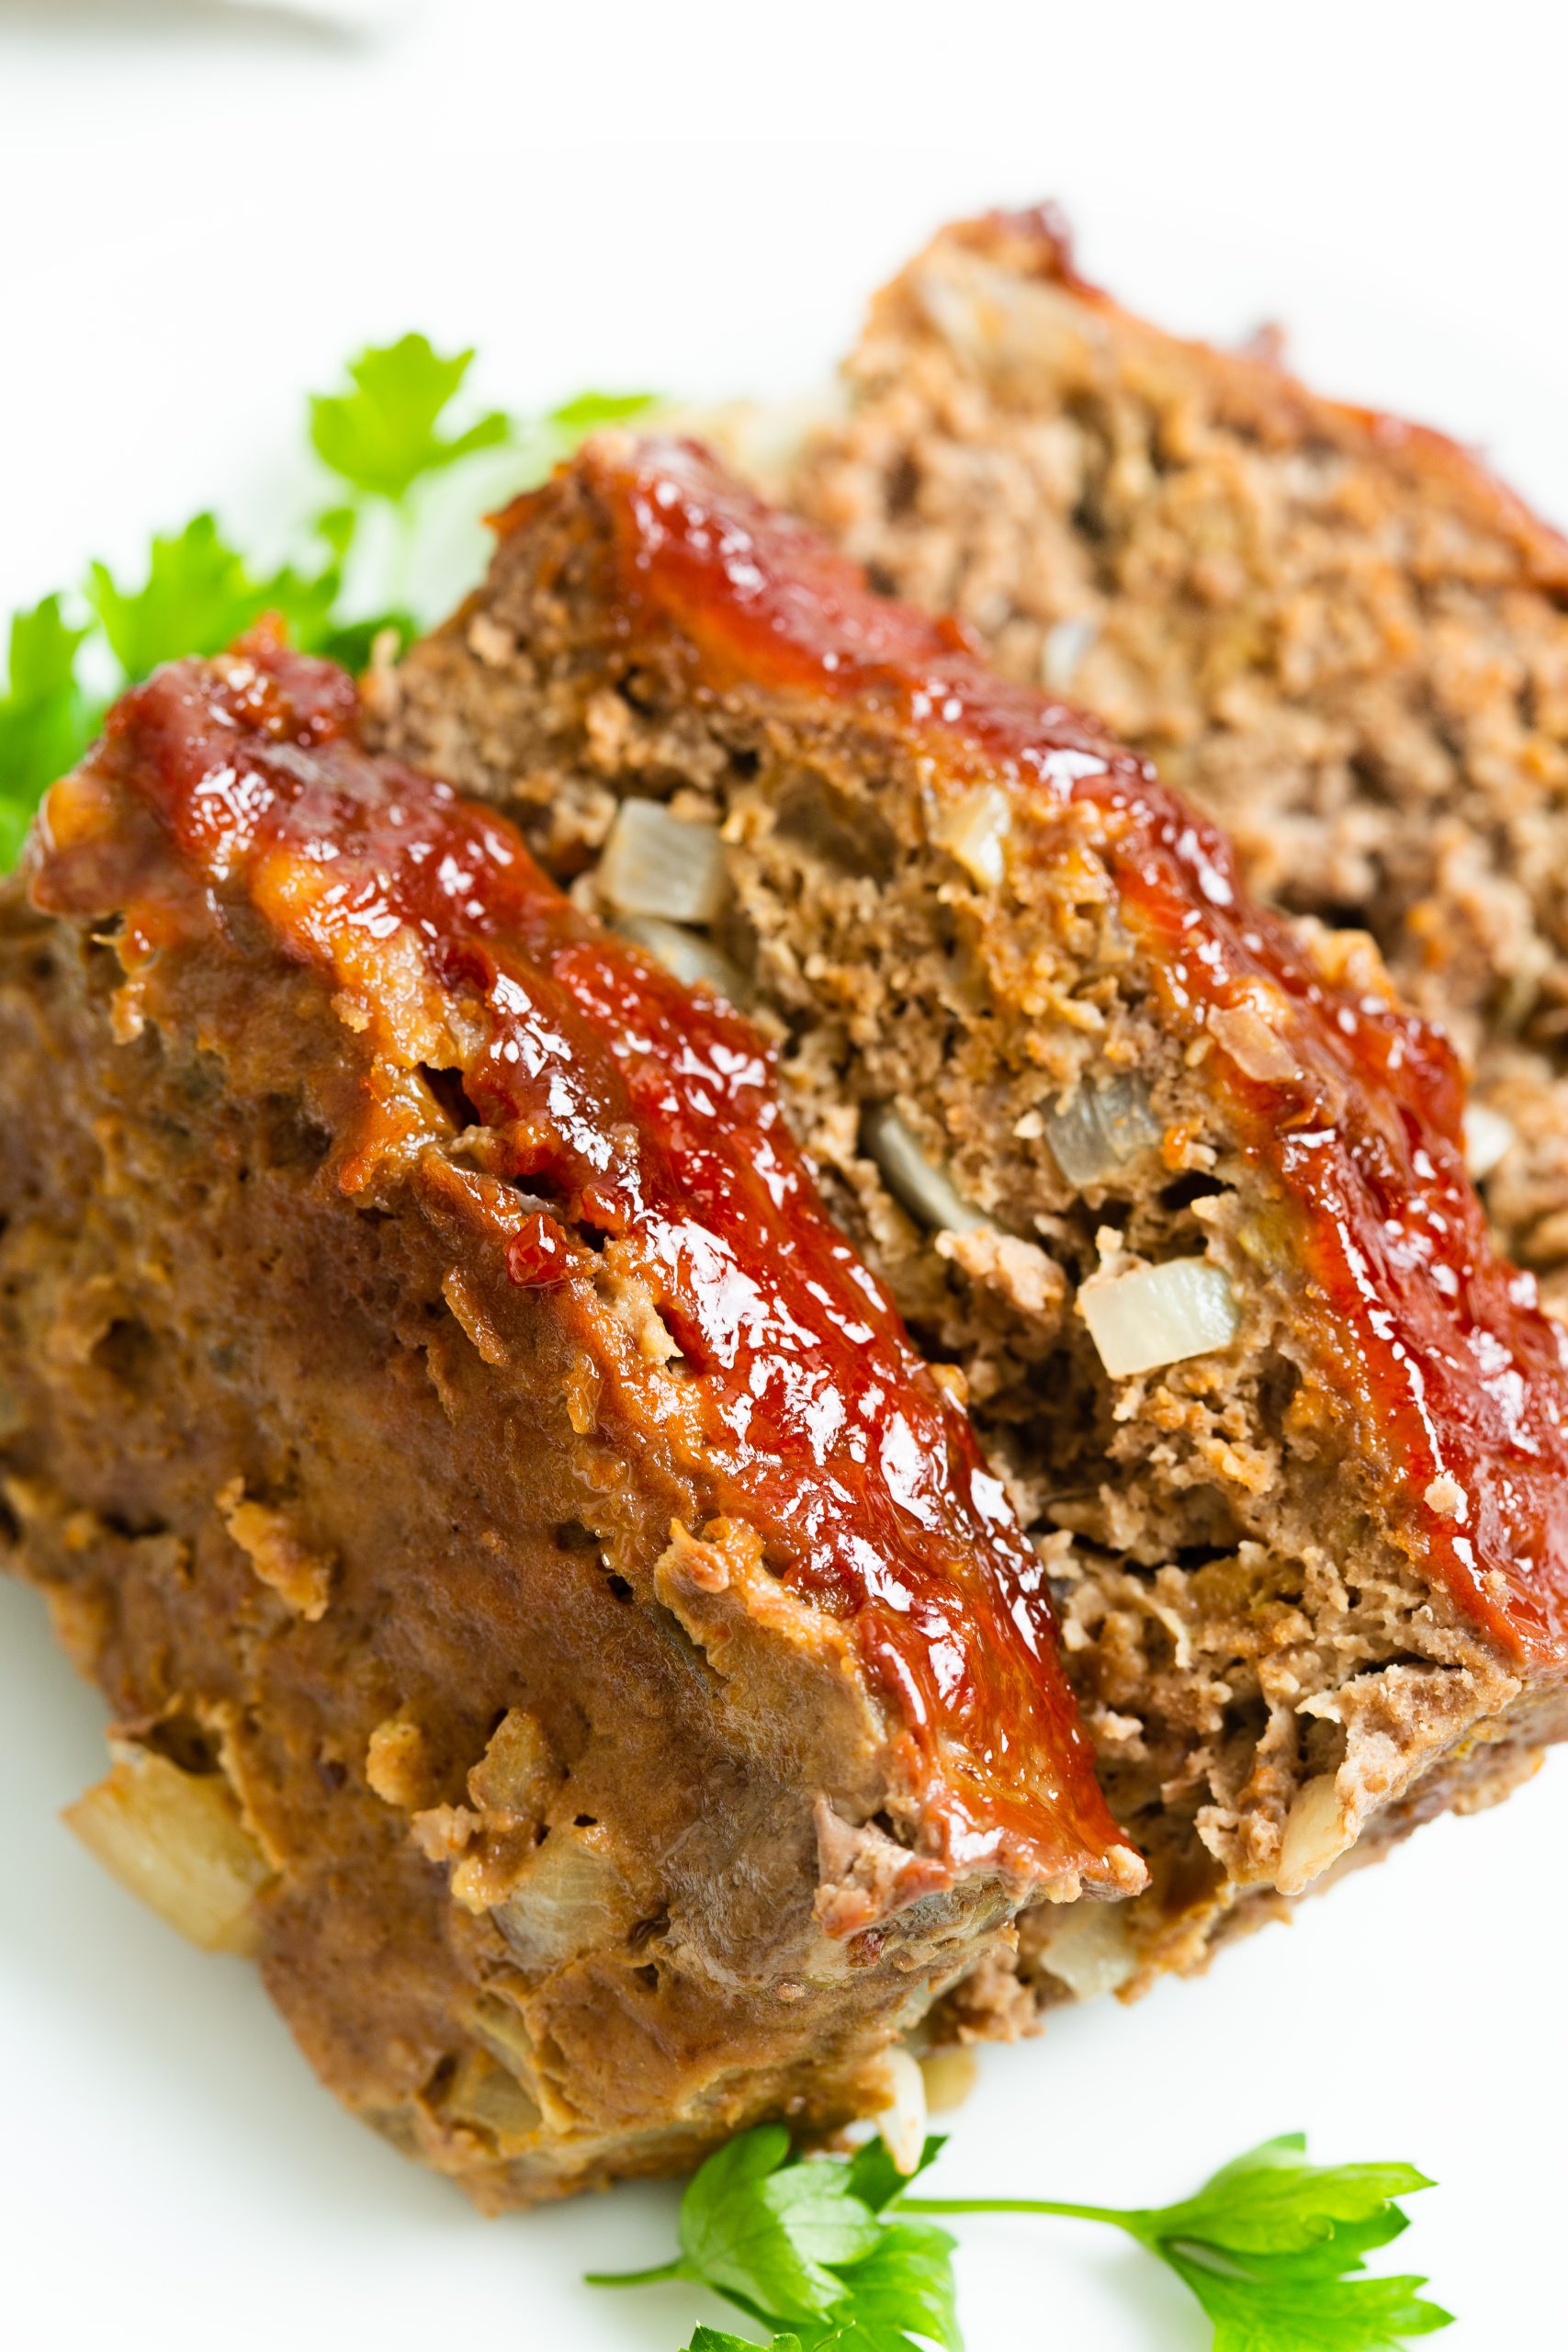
(1178, 1191)
(1337, 631)
(555, 1618)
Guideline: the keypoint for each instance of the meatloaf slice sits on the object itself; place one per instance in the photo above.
(1177, 1189)
(1336, 632)
(554, 1617)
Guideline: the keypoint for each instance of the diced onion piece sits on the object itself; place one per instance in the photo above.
(1089, 1951)
(177, 1840)
(655, 863)
(685, 956)
(1316, 1833)
(572, 1900)
(513, 1779)
(490, 2098)
(926, 1191)
(1246, 1033)
(950, 2075)
(1100, 1125)
(500, 2028)
(1126, 1121)
(974, 832)
(1061, 654)
(1487, 1135)
(1159, 1315)
(902, 2124)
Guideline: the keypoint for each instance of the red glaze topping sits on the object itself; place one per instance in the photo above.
(636, 1109)
(1456, 1379)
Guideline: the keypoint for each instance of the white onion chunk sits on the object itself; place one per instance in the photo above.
(975, 830)
(1487, 1135)
(1100, 1127)
(656, 863)
(1159, 1315)
(686, 956)
(915, 1183)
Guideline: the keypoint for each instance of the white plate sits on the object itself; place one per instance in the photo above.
(200, 218)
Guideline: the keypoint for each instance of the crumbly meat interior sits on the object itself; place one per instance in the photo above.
(1336, 633)
(1266, 1678)
(517, 1795)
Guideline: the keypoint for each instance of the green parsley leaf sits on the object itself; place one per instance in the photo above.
(876, 2180)
(718, 2340)
(42, 655)
(815, 2246)
(1263, 2306)
(589, 411)
(768, 2233)
(1272, 2201)
(44, 719)
(351, 643)
(195, 597)
(336, 526)
(198, 595)
(382, 438)
(898, 2298)
(1272, 2247)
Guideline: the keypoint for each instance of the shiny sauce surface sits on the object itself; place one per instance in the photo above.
(1456, 1380)
(622, 1106)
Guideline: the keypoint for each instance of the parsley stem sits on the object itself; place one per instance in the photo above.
(676, 2269)
(1011, 2205)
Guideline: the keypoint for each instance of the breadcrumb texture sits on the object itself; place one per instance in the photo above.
(1277, 1681)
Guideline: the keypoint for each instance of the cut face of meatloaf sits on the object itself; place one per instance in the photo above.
(554, 1617)
(1178, 1191)
(1337, 633)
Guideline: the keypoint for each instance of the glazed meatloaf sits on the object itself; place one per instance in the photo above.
(1176, 1189)
(553, 1616)
(1336, 632)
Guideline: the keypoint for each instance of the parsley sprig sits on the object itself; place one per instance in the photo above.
(382, 442)
(812, 2248)
(832, 2255)
(44, 715)
(199, 593)
(385, 434)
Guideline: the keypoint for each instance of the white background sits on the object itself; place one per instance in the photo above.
(202, 209)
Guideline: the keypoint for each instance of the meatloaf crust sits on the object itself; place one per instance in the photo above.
(554, 1618)
(1304, 1509)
